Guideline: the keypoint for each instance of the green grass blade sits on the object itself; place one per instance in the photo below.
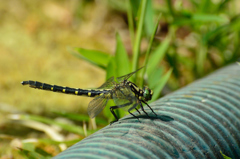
(201, 57)
(158, 88)
(208, 18)
(170, 8)
(43, 152)
(224, 156)
(135, 7)
(148, 20)
(158, 55)
(153, 79)
(137, 42)
(111, 68)
(204, 6)
(32, 154)
(95, 57)
(54, 142)
(121, 58)
(148, 50)
(130, 20)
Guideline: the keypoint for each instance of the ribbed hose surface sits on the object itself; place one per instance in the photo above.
(197, 121)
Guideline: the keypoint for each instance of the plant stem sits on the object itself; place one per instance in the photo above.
(137, 42)
(148, 50)
(130, 20)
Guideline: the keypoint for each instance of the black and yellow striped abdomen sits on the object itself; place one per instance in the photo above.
(66, 90)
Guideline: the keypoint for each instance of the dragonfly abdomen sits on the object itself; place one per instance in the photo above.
(66, 90)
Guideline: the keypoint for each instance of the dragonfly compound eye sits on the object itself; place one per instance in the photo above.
(147, 93)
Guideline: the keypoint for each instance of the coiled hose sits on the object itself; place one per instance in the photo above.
(197, 121)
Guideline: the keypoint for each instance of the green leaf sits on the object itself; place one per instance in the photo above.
(148, 20)
(130, 19)
(157, 56)
(198, 19)
(111, 68)
(121, 58)
(153, 79)
(95, 57)
(30, 152)
(208, 18)
(201, 58)
(170, 8)
(43, 152)
(135, 7)
(137, 41)
(204, 6)
(54, 142)
(151, 42)
(159, 86)
(224, 156)
(148, 50)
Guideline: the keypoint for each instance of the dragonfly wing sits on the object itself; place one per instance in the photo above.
(110, 83)
(97, 105)
(125, 77)
(123, 96)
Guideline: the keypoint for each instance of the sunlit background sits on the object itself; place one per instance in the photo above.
(34, 39)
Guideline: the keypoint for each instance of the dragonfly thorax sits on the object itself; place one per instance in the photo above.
(147, 94)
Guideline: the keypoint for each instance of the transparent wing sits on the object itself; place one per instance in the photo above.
(124, 97)
(110, 83)
(97, 105)
(125, 77)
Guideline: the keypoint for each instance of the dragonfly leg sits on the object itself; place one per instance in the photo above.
(133, 107)
(143, 109)
(137, 110)
(149, 107)
(116, 107)
(113, 113)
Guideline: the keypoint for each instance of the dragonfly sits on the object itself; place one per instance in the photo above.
(123, 92)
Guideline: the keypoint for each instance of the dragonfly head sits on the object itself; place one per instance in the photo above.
(147, 94)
